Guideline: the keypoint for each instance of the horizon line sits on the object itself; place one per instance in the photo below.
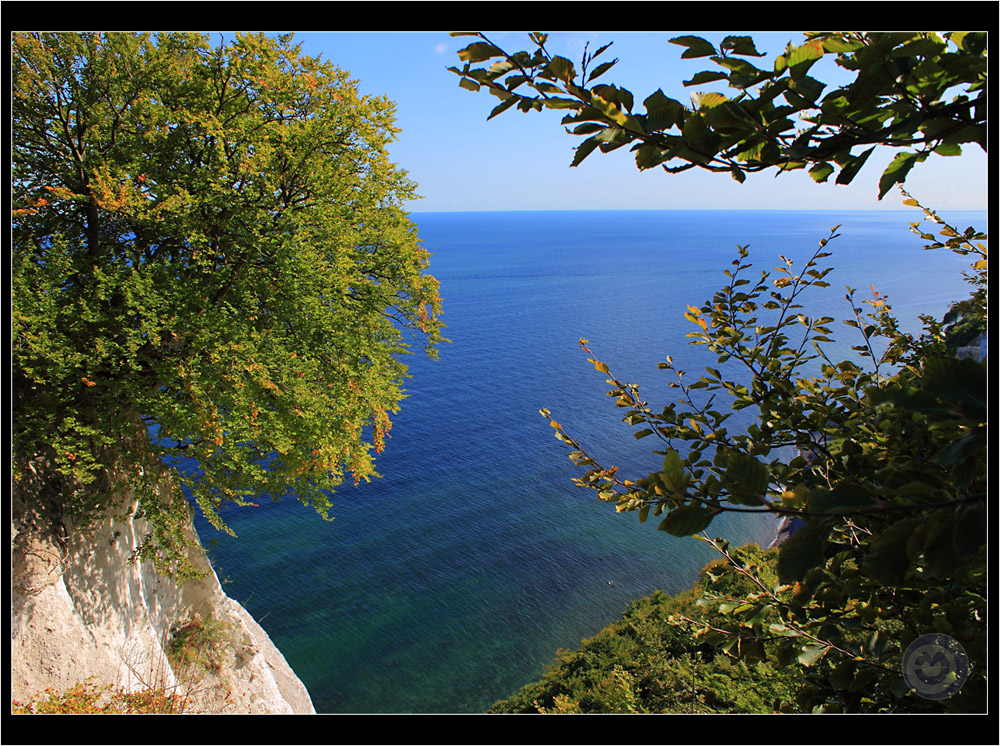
(695, 209)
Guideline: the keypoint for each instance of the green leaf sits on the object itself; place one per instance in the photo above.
(686, 520)
(584, 149)
(973, 43)
(842, 675)
(803, 551)
(887, 559)
(662, 112)
(838, 44)
(747, 479)
(897, 170)
(742, 45)
(786, 653)
(643, 513)
(959, 380)
(696, 46)
(500, 67)
(846, 495)
(479, 52)
(673, 476)
(707, 100)
(920, 47)
(703, 143)
(820, 172)
(611, 138)
(554, 102)
(802, 57)
(706, 76)
(502, 107)
(588, 128)
(937, 548)
(808, 88)
(649, 155)
(601, 50)
(851, 165)
(969, 533)
(559, 68)
(962, 450)
(812, 652)
(948, 149)
(728, 117)
(750, 650)
(615, 113)
(601, 69)
(864, 679)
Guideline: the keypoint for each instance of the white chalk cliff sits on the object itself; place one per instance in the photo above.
(81, 611)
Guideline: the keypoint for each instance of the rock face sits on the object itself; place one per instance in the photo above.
(788, 526)
(80, 610)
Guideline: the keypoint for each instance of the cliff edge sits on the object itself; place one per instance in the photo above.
(81, 610)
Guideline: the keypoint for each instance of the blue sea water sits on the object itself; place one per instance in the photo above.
(451, 581)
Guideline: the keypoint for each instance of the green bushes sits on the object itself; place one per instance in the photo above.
(647, 663)
(199, 645)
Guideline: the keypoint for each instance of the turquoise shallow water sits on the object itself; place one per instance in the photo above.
(451, 581)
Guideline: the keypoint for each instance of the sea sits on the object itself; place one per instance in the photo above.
(454, 578)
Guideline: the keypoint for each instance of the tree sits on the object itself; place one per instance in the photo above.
(890, 478)
(211, 260)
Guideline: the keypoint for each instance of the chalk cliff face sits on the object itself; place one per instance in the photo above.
(80, 610)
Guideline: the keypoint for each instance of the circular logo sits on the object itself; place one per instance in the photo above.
(935, 666)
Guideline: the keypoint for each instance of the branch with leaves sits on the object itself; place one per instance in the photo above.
(903, 95)
(890, 459)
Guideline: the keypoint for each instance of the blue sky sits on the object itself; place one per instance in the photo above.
(520, 161)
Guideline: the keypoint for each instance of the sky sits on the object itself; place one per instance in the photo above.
(521, 161)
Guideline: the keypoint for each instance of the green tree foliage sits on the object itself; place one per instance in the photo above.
(890, 478)
(209, 244)
(902, 96)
